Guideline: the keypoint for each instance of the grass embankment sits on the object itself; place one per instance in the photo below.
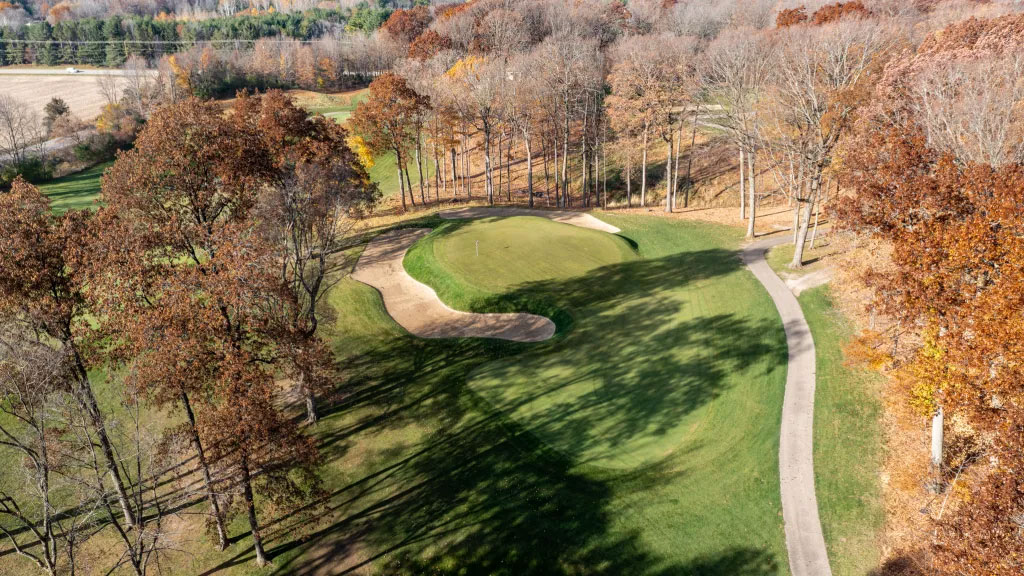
(76, 191)
(847, 432)
(642, 439)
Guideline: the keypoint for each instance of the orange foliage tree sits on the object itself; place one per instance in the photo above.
(203, 295)
(957, 270)
(406, 25)
(387, 121)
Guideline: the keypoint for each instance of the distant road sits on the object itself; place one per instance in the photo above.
(64, 71)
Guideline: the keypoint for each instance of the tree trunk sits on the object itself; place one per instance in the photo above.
(554, 147)
(565, 162)
(250, 505)
(675, 176)
(488, 176)
(222, 539)
(689, 160)
(798, 191)
(408, 183)
(798, 250)
(937, 442)
(817, 212)
(584, 191)
(547, 175)
(529, 168)
(668, 176)
(310, 399)
(438, 175)
(419, 171)
(401, 180)
(455, 186)
(604, 174)
(629, 178)
(643, 169)
(584, 167)
(501, 172)
(743, 196)
(88, 401)
(752, 202)
(508, 165)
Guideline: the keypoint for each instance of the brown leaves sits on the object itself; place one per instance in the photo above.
(387, 118)
(36, 285)
(958, 274)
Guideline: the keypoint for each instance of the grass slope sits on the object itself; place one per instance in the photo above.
(76, 191)
(641, 440)
(679, 356)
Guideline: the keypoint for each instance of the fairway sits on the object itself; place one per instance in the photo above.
(641, 439)
(653, 344)
(76, 191)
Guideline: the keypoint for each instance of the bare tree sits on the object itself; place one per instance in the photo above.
(736, 69)
(107, 84)
(19, 129)
(33, 383)
(139, 85)
(973, 108)
(818, 83)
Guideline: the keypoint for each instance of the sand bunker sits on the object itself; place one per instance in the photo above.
(581, 219)
(416, 307)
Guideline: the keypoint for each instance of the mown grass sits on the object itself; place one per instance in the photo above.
(847, 431)
(641, 440)
(76, 191)
(338, 107)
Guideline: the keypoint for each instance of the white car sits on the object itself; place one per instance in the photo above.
(72, 70)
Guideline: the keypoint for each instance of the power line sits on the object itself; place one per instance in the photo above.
(171, 42)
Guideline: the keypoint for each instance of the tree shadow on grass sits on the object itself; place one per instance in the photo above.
(481, 492)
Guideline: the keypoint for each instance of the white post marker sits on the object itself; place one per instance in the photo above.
(937, 439)
(477, 247)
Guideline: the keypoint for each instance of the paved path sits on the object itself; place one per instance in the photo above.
(581, 219)
(804, 540)
(416, 307)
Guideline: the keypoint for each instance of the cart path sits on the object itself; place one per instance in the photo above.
(805, 542)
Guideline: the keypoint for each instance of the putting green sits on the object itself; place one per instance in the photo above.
(649, 344)
(498, 254)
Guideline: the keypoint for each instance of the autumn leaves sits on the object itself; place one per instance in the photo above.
(200, 283)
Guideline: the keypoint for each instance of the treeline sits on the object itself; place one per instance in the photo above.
(333, 63)
(109, 42)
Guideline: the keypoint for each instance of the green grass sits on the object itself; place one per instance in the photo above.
(847, 432)
(642, 439)
(474, 260)
(76, 191)
(385, 173)
(338, 107)
(847, 443)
